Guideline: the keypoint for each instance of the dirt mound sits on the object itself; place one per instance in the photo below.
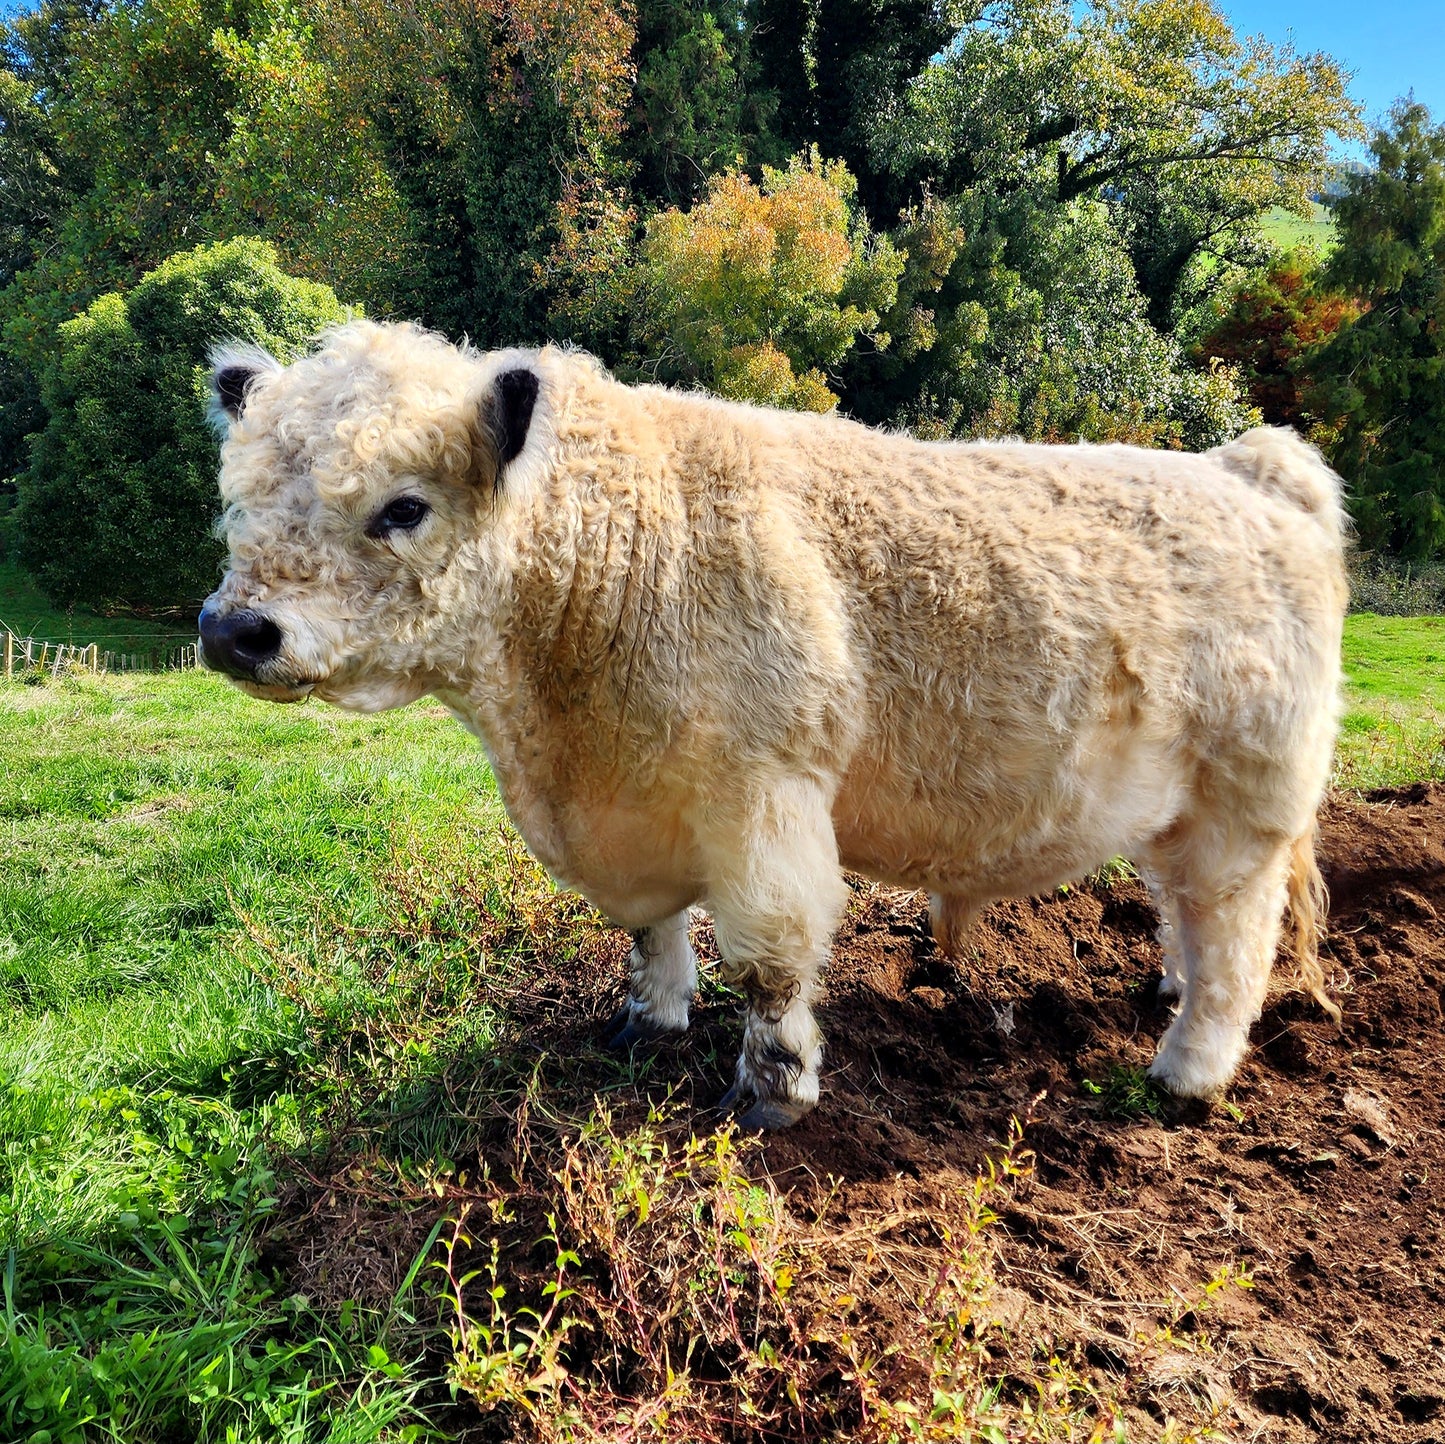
(1325, 1171)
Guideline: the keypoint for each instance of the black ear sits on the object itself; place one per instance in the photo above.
(230, 385)
(512, 407)
(233, 370)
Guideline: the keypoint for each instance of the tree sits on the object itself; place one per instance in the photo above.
(759, 291)
(1021, 317)
(500, 126)
(697, 107)
(1153, 106)
(1275, 321)
(832, 65)
(39, 180)
(119, 503)
(302, 162)
(1383, 378)
(108, 117)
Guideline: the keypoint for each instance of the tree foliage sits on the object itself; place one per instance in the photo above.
(1154, 106)
(1384, 376)
(697, 106)
(759, 290)
(1269, 331)
(1021, 317)
(977, 217)
(119, 503)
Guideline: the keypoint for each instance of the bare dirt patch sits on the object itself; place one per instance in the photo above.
(1320, 1176)
(1326, 1172)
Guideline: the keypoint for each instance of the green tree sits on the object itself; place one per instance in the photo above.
(119, 503)
(697, 106)
(499, 124)
(759, 291)
(136, 103)
(831, 67)
(1383, 378)
(1021, 317)
(108, 117)
(1188, 133)
(39, 180)
(302, 162)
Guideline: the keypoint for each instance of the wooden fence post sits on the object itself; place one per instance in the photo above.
(9, 654)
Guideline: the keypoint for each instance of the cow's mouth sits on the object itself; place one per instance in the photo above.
(277, 691)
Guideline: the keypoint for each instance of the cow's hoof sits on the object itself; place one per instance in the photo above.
(760, 1115)
(630, 1028)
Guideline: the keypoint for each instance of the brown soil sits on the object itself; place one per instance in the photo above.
(1325, 1172)
(1322, 1172)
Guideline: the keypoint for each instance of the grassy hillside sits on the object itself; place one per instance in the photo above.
(27, 612)
(241, 945)
(1287, 231)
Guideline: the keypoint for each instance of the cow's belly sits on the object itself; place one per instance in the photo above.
(995, 825)
(635, 864)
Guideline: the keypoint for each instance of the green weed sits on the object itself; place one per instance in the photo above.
(1127, 1092)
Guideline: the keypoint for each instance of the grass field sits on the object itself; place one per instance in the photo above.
(1393, 729)
(1287, 231)
(237, 941)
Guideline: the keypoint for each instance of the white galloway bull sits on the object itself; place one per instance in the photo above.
(717, 654)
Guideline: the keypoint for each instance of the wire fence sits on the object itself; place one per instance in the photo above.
(35, 657)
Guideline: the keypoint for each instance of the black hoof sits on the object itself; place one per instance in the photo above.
(769, 1115)
(624, 1032)
(760, 1115)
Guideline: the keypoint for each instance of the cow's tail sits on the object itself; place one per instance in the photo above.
(1276, 461)
(1308, 900)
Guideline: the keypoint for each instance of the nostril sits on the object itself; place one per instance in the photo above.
(255, 638)
(238, 642)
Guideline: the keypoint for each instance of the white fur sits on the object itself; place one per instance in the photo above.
(717, 654)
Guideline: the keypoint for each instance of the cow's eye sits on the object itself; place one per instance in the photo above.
(405, 513)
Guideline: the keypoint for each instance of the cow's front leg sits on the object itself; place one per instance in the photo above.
(664, 978)
(776, 893)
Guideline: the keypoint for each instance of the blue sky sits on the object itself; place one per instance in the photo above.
(1391, 45)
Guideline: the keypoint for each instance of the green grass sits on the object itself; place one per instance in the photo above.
(240, 942)
(1393, 729)
(1286, 231)
(27, 612)
(158, 834)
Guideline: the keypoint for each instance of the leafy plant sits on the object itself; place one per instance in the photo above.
(1127, 1092)
(759, 290)
(119, 502)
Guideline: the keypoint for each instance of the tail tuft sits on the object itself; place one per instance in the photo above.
(1308, 902)
(1277, 461)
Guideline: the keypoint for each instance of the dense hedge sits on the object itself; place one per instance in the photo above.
(119, 503)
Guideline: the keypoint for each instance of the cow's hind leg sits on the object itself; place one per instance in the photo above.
(1171, 985)
(951, 915)
(1227, 901)
(776, 893)
(664, 978)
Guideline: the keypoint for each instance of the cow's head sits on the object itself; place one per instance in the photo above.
(364, 486)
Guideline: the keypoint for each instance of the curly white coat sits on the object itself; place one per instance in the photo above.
(717, 654)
